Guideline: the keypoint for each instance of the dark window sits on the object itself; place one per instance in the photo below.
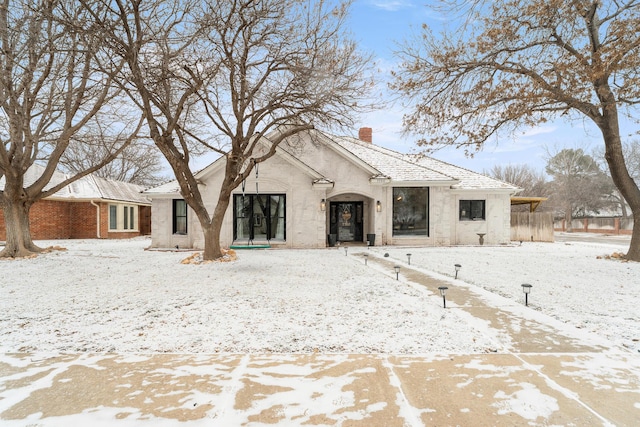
(259, 216)
(471, 210)
(410, 211)
(126, 217)
(179, 216)
(131, 218)
(113, 217)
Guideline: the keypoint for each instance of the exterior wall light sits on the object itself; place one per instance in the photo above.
(323, 205)
(526, 288)
(397, 269)
(378, 206)
(457, 267)
(443, 292)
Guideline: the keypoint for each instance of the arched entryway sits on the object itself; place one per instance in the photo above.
(346, 220)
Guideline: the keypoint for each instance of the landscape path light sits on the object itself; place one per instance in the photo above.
(457, 267)
(526, 288)
(409, 259)
(443, 292)
(397, 269)
(346, 250)
(365, 258)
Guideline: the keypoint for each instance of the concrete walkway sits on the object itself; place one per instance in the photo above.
(538, 374)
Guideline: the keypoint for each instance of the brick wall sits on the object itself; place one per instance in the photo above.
(70, 220)
(49, 220)
(81, 221)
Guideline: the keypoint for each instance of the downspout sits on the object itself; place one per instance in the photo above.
(97, 218)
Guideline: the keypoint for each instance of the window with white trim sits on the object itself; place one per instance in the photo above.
(123, 217)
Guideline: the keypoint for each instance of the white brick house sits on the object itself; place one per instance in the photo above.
(319, 188)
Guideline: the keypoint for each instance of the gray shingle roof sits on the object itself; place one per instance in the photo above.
(468, 179)
(390, 163)
(412, 167)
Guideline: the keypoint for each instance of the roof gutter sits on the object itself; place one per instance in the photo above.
(97, 218)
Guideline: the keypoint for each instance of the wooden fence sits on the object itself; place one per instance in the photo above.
(532, 227)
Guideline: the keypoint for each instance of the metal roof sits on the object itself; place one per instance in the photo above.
(89, 187)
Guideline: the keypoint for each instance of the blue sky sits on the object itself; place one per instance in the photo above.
(378, 25)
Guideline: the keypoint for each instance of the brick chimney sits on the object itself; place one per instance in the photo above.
(366, 135)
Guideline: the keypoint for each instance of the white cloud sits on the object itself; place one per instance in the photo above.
(391, 5)
(538, 130)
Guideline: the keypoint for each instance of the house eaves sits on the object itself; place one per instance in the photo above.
(280, 151)
(172, 188)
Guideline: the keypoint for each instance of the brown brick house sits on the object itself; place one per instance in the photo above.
(91, 207)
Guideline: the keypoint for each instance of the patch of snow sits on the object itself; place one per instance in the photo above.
(528, 402)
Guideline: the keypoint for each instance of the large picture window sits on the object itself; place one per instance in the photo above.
(410, 211)
(472, 210)
(259, 216)
(179, 216)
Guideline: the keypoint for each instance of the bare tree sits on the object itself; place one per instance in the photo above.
(257, 72)
(140, 163)
(632, 157)
(532, 182)
(49, 93)
(579, 187)
(631, 151)
(519, 63)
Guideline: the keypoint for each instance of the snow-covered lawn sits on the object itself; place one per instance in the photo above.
(575, 282)
(104, 296)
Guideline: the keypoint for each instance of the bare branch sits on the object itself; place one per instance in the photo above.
(521, 64)
(51, 91)
(234, 77)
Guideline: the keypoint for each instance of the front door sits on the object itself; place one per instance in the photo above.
(346, 221)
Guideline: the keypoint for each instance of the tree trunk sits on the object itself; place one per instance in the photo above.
(621, 178)
(568, 217)
(16, 218)
(212, 248)
(634, 247)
